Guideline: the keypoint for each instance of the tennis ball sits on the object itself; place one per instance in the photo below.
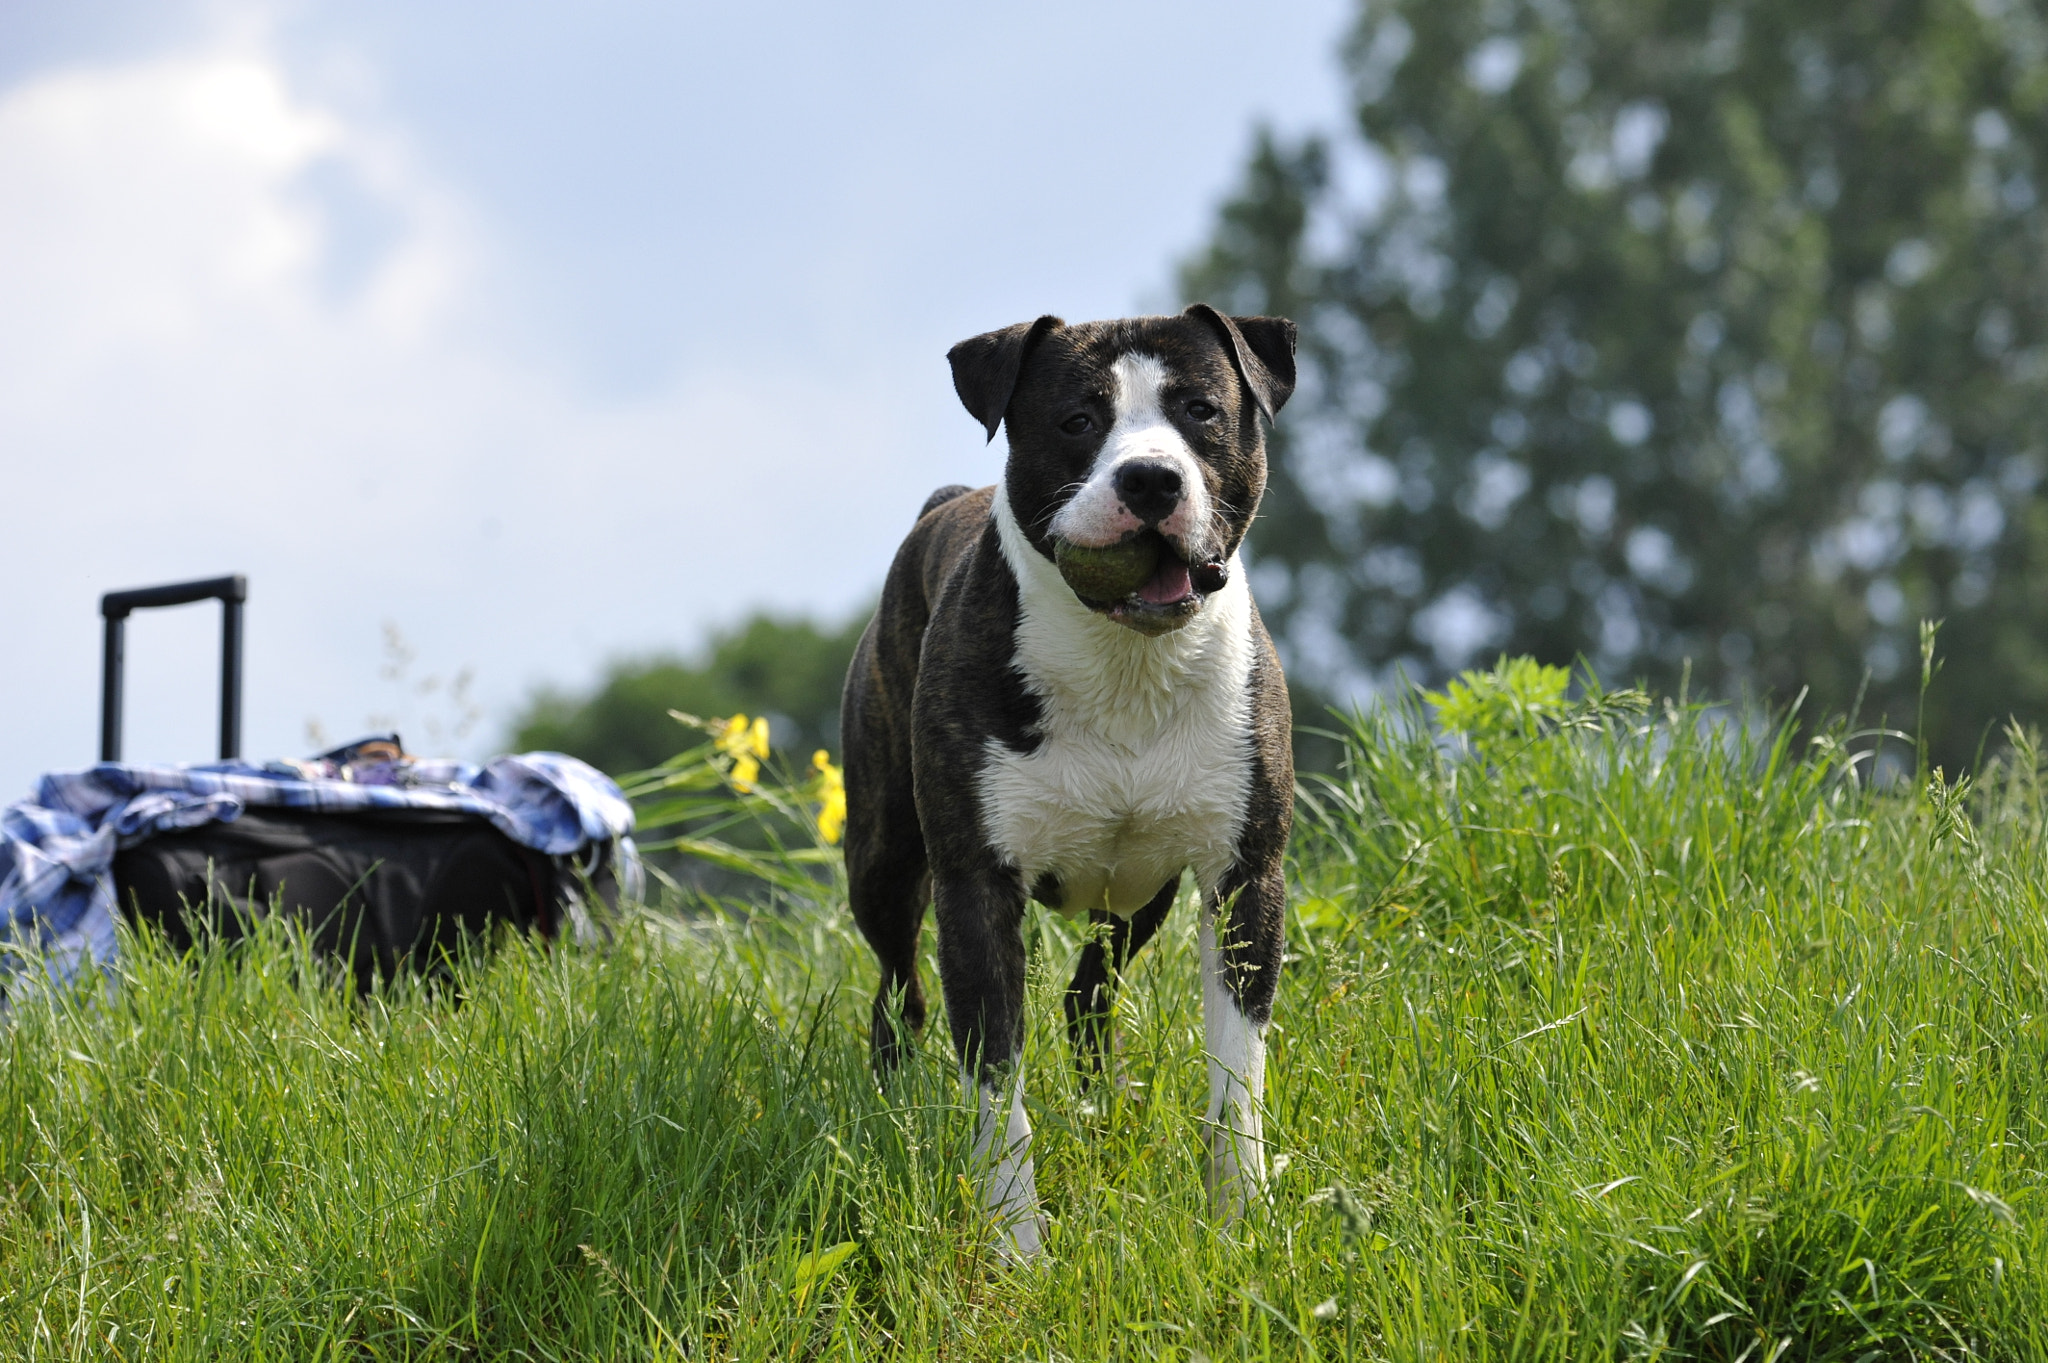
(1111, 572)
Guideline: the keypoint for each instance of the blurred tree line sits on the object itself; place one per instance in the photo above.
(787, 669)
(1665, 333)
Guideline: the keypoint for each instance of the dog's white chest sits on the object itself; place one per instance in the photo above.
(1144, 761)
(1115, 824)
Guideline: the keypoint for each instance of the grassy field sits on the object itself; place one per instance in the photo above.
(1625, 1033)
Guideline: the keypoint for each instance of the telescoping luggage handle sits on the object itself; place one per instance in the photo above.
(231, 592)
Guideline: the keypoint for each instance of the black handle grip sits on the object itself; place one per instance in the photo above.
(231, 592)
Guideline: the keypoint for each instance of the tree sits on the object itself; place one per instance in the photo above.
(789, 670)
(1665, 333)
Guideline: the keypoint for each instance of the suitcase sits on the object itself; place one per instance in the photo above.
(384, 892)
(381, 890)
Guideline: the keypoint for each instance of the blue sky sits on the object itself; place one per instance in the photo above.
(541, 335)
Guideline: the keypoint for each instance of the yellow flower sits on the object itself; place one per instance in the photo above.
(831, 797)
(745, 770)
(746, 744)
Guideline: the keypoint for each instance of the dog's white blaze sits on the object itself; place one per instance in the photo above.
(1143, 766)
(1139, 430)
(1237, 1083)
(1002, 1155)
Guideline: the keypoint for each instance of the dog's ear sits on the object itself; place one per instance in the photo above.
(985, 368)
(1263, 348)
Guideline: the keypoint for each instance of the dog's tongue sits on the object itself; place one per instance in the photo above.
(1168, 585)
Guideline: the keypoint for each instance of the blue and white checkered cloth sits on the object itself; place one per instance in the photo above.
(57, 847)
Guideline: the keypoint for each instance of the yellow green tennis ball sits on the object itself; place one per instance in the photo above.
(1111, 572)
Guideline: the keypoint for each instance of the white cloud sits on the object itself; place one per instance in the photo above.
(191, 383)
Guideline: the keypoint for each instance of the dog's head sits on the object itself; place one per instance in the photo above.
(1136, 443)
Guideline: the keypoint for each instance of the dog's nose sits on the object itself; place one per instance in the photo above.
(1149, 487)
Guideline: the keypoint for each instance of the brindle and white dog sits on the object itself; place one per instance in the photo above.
(1007, 738)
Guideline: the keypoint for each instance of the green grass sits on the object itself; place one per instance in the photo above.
(1635, 1037)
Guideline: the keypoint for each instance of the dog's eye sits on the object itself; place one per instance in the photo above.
(1080, 423)
(1202, 411)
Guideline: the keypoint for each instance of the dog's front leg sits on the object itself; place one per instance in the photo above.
(1002, 1162)
(981, 962)
(1241, 949)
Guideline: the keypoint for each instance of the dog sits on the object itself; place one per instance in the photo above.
(1009, 738)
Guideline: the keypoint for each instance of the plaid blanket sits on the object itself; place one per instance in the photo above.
(57, 847)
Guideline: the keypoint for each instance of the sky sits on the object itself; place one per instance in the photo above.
(501, 341)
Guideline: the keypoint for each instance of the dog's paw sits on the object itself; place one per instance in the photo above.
(1235, 1185)
(1022, 1242)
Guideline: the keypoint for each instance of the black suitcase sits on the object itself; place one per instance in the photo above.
(382, 890)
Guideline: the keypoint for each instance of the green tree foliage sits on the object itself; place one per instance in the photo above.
(790, 670)
(1665, 331)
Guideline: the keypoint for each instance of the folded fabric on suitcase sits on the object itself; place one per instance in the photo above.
(59, 849)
